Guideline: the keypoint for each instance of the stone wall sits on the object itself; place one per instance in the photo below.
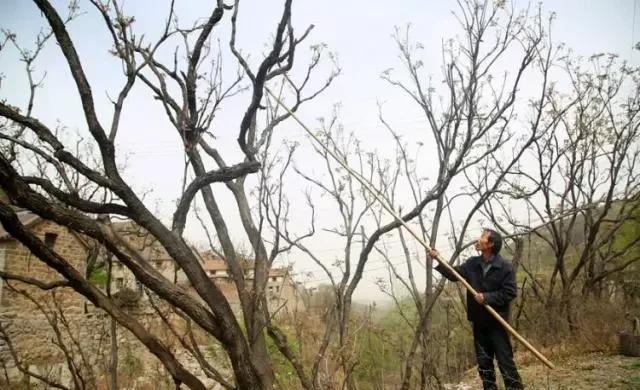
(46, 328)
(33, 321)
(22, 305)
(87, 337)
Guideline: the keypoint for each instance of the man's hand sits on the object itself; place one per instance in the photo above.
(434, 253)
(479, 298)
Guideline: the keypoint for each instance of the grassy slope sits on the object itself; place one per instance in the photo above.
(586, 372)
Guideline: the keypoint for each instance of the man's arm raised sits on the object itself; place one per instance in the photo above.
(461, 269)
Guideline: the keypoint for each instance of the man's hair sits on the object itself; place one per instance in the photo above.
(496, 240)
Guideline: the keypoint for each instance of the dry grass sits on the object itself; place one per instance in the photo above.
(587, 372)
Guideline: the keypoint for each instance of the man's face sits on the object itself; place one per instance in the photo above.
(484, 242)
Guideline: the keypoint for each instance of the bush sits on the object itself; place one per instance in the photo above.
(127, 298)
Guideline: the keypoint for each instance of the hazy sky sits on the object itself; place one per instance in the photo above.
(358, 31)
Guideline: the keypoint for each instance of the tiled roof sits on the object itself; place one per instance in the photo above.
(281, 271)
(212, 262)
(26, 217)
(214, 265)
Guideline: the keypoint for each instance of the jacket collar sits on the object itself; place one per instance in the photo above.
(496, 262)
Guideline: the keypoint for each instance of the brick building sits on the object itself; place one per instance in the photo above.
(281, 289)
(26, 312)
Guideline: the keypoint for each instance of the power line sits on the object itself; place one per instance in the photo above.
(633, 29)
(363, 272)
(369, 262)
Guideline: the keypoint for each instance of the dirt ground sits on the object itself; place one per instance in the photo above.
(587, 372)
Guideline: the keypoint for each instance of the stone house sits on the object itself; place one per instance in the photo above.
(282, 291)
(27, 312)
(33, 322)
(283, 294)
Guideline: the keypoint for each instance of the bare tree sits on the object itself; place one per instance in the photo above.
(190, 96)
(583, 187)
(470, 125)
(474, 122)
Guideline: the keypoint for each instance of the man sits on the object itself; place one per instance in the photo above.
(494, 280)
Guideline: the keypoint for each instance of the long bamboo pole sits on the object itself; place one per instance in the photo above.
(380, 198)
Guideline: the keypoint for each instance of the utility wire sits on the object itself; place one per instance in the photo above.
(633, 30)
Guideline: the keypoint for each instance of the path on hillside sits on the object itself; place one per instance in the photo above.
(586, 372)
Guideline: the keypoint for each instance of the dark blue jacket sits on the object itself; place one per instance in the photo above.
(498, 286)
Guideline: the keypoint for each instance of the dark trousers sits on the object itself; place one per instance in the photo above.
(493, 341)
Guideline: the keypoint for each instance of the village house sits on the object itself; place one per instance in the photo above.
(22, 307)
(282, 292)
(281, 289)
(27, 312)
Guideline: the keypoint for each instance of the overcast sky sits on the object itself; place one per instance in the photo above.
(358, 31)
